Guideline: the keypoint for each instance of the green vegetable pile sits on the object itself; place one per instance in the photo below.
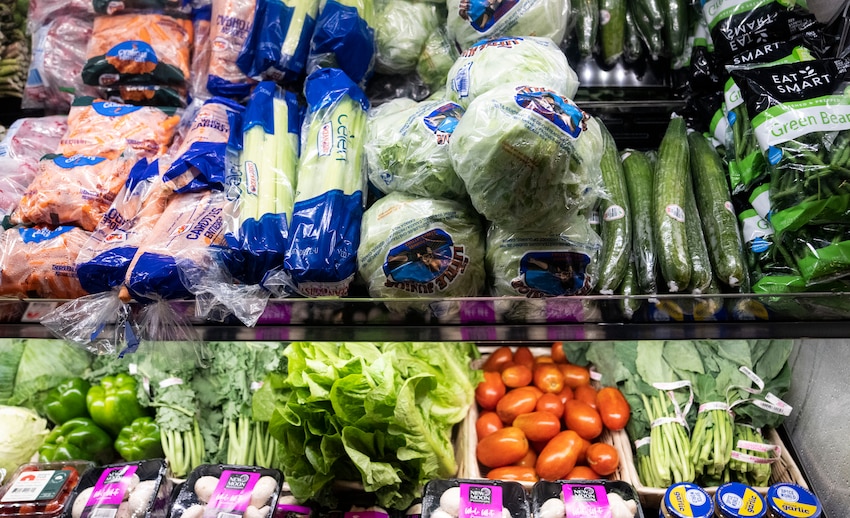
(377, 414)
(14, 49)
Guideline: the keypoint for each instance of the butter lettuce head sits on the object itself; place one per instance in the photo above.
(401, 29)
(510, 60)
(528, 157)
(407, 148)
(497, 18)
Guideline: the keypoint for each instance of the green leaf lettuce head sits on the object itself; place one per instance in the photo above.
(496, 18)
(501, 61)
(22, 432)
(378, 414)
(401, 30)
(421, 247)
(529, 157)
(407, 148)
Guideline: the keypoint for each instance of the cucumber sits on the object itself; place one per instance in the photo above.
(638, 172)
(712, 194)
(616, 218)
(612, 29)
(668, 211)
(676, 26)
(650, 35)
(587, 25)
(629, 306)
(701, 273)
(633, 48)
(651, 9)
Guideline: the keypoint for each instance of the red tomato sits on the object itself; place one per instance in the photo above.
(490, 391)
(529, 460)
(587, 394)
(538, 426)
(543, 358)
(518, 401)
(559, 456)
(53, 507)
(497, 358)
(613, 408)
(548, 378)
(516, 376)
(583, 473)
(538, 446)
(487, 423)
(502, 447)
(566, 394)
(582, 455)
(524, 356)
(558, 355)
(550, 403)
(574, 375)
(515, 473)
(584, 420)
(603, 458)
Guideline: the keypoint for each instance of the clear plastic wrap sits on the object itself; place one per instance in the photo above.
(132, 489)
(84, 321)
(116, 6)
(344, 38)
(43, 11)
(224, 490)
(407, 148)
(510, 61)
(536, 265)
(201, 50)
(146, 95)
(33, 137)
(139, 48)
(437, 57)
(38, 262)
(41, 489)
(101, 128)
(72, 191)
(470, 21)
(401, 29)
(528, 157)
(412, 247)
(231, 25)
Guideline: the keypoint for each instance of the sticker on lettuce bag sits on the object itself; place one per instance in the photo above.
(558, 110)
(425, 263)
(483, 14)
(551, 274)
(443, 121)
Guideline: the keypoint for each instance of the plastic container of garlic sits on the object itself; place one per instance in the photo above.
(125, 490)
(226, 490)
(463, 498)
(585, 499)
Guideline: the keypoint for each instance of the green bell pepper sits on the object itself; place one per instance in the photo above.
(113, 404)
(77, 439)
(67, 400)
(141, 440)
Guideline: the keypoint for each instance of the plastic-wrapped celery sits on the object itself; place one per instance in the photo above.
(344, 38)
(325, 232)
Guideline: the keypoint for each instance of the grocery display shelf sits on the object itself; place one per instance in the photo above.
(505, 319)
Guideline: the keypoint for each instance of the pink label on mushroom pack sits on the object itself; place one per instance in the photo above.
(586, 501)
(232, 494)
(108, 492)
(480, 501)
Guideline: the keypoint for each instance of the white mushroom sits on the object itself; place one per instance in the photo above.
(141, 497)
(194, 511)
(450, 501)
(263, 491)
(506, 513)
(618, 506)
(204, 488)
(287, 500)
(254, 512)
(124, 511)
(440, 513)
(131, 486)
(552, 508)
(80, 502)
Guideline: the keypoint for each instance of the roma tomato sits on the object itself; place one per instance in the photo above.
(490, 391)
(497, 358)
(518, 401)
(538, 426)
(550, 403)
(548, 378)
(487, 423)
(603, 458)
(613, 408)
(557, 352)
(566, 394)
(523, 356)
(587, 394)
(559, 456)
(515, 473)
(529, 460)
(574, 375)
(583, 473)
(543, 358)
(583, 419)
(582, 456)
(516, 376)
(502, 447)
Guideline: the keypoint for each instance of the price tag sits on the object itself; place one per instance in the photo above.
(37, 310)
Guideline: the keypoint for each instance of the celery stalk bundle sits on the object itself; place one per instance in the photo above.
(268, 162)
(325, 232)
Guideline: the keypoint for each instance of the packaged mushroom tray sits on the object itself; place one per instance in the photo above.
(538, 417)
(231, 491)
(124, 490)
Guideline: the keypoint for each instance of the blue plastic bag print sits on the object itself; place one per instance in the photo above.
(344, 38)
